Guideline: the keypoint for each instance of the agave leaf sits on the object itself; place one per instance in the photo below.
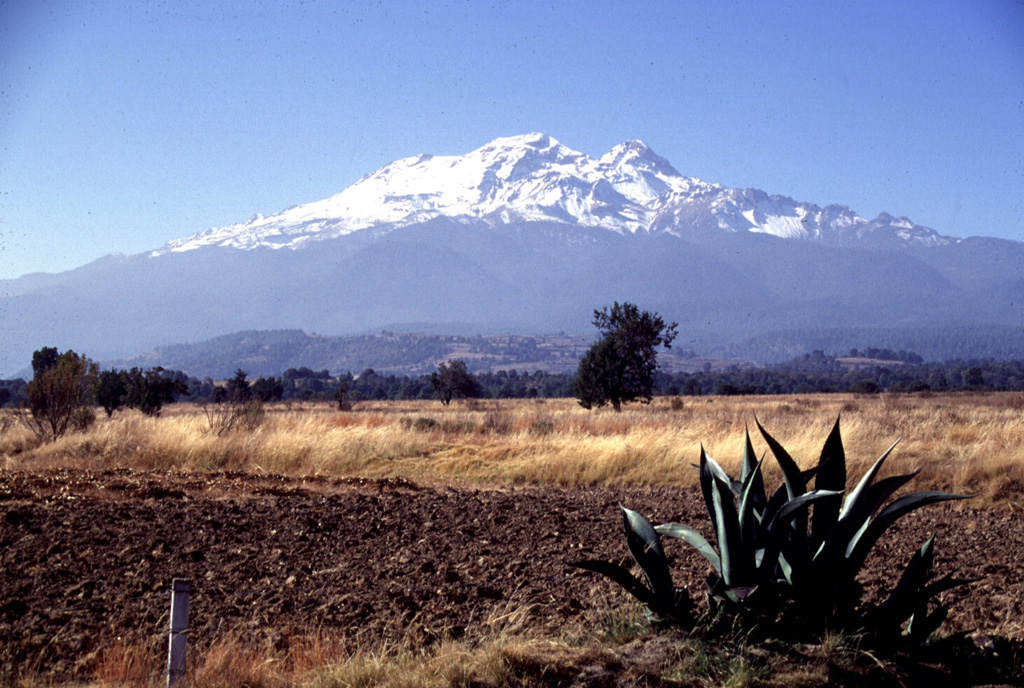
(735, 567)
(923, 625)
(750, 471)
(706, 488)
(837, 543)
(778, 498)
(719, 472)
(854, 500)
(795, 481)
(796, 485)
(734, 594)
(945, 583)
(748, 504)
(644, 545)
(694, 539)
(858, 549)
(831, 476)
(876, 496)
(904, 599)
(621, 576)
(778, 530)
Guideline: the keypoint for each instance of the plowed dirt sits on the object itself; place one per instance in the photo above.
(87, 557)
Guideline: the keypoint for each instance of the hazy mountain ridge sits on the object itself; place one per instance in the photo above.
(270, 353)
(538, 238)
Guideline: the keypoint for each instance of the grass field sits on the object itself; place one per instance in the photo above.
(968, 443)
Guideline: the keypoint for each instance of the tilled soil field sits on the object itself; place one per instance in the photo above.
(88, 557)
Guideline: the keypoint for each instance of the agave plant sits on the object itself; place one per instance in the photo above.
(798, 552)
(663, 602)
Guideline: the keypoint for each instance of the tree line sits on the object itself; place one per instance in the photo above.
(620, 368)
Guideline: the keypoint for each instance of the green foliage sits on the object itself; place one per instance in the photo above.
(268, 389)
(44, 359)
(60, 387)
(238, 386)
(110, 391)
(149, 390)
(452, 380)
(620, 367)
(773, 563)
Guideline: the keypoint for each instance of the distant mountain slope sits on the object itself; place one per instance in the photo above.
(270, 353)
(527, 236)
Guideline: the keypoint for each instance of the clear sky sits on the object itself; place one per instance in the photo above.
(126, 124)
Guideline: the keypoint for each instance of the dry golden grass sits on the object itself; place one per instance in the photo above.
(961, 442)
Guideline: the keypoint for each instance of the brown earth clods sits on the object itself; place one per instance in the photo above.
(87, 558)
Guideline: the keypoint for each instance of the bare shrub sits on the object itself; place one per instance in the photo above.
(227, 416)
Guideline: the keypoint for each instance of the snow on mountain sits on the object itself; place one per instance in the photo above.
(535, 178)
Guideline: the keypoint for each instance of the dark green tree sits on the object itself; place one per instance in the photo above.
(341, 396)
(238, 388)
(620, 366)
(268, 389)
(452, 380)
(44, 359)
(149, 390)
(110, 391)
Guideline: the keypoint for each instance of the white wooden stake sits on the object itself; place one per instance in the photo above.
(179, 631)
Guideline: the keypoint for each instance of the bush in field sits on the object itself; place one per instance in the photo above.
(110, 391)
(61, 386)
(775, 566)
(149, 390)
(235, 407)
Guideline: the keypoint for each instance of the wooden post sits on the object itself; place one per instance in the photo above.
(179, 631)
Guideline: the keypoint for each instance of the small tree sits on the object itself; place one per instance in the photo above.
(149, 390)
(268, 389)
(110, 391)
(238, 386)
(341, 396)
(452, 380)
(59, 393)
(620, 367)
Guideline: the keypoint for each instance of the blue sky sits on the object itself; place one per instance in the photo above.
(124, 125)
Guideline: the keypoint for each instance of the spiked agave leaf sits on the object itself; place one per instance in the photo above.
(645, 547)
(661, 599)
(751, 477)
(794, 480)
(909, 600)
(736, 568)
(796, 485)
(862, 542)
(831, 475)
(694, 539)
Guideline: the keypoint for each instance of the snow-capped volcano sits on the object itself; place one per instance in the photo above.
(534, 178)
(526, 235)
